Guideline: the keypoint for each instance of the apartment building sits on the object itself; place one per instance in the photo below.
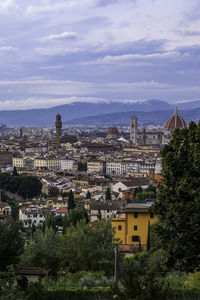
(96, 166)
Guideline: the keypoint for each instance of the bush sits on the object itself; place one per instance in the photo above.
(38, 293)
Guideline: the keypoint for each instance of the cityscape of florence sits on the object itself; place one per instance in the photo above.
(99, 150)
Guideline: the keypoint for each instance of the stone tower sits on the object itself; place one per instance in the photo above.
(144, 137)
(134, 130)
(58, 125)
(21, 132)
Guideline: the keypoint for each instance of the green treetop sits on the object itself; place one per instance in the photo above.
(178, 201)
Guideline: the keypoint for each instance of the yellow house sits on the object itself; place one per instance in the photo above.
(132, 226)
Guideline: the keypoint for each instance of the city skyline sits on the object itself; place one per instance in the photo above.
(58, 52)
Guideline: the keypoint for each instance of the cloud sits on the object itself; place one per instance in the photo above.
(105, 48)
(52, 67)
(127, 58)
(50, 7)
(100, 3)
(8, 6)
(7, 48)
(35, 103)
(47, 9)
(60, 36)
(57, 51)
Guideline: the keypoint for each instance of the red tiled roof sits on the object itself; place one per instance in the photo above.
(176, 121)
(113, 130)
(62, 210)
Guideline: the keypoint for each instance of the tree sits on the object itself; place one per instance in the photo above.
(151, 188)
(137, 190)
(12, 244)
(82, 167)
(71, 203)
(178, 201)
(50, 222)
(30, 186)
(25, 186)
(89, 248)
(15, 171)
(8, 289)
(108, 194)
(148, 237)
(144, 195)
(73, 217)
(42, 250)
(142, 275)
(88, 195)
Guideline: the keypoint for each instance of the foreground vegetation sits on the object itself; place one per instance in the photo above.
(81, 260)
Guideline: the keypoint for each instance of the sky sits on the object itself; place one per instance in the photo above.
(54, 52)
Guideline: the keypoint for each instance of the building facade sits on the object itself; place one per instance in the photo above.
(96, 166)
(132, 226)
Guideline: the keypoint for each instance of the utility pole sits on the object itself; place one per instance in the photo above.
(116, 267)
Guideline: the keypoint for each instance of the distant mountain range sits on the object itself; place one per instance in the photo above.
(102, 113)
(144, 118)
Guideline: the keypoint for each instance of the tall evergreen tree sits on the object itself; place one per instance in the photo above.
(178, 201)
(108, 194)
(71, 203)
(88, 195)
(15, 171)
(148, 237)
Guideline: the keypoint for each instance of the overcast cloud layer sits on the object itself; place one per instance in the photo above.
(54, 52)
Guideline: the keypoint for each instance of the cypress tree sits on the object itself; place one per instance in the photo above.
(108, 194)
(71, 203)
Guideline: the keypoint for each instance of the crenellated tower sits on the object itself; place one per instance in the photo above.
(58, 126)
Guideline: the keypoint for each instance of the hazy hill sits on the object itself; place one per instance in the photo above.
(42, 117)
(144, 118)
(156, 111)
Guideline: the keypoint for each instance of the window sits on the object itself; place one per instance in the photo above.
(135, 227)
(151, 215)
(135, 215)
(119, 227)
(135, 238)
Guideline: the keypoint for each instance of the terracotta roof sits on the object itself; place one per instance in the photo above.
(62, 210)
(113, 130)
(176, 121)
(158, 177)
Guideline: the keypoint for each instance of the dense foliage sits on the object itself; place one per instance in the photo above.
(11, 244)
(178, 201)
(25, 186)
(82, 166)
(81, 248)
(89, 248)
(73, 217)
